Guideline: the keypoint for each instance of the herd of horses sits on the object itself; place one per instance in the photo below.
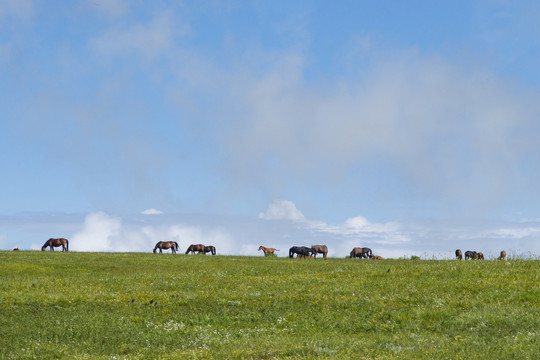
(193, 248)
(311, 252)
(299, 251)
(476, 255)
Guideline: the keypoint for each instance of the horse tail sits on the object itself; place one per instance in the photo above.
(176, 246)
(67, 245)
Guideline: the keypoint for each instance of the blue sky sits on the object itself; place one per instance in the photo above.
(408, 127)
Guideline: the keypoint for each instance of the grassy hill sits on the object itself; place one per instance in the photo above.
(145, 306)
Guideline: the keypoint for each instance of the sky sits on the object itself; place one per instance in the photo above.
(408, 127)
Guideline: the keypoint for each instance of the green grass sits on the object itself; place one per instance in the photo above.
(149, 306)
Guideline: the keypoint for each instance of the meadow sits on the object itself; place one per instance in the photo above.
(56, 305)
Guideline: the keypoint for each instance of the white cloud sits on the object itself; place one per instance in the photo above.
(99, 233)
(151, 211)
(282, 210)
(357, 227)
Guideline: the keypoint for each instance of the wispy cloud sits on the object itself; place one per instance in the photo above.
(148, 40)
(152, 211)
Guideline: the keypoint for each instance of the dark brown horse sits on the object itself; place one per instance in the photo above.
(199, 248)
(320, 249)
(471, 255)
(267, 251)
(164, 245)
(64, 243)
(459, 254)
(210, 249)
(362, 253)
(503, 255)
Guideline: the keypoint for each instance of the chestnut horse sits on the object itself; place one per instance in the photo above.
(210, 249)
(64, 243)
(376, 258)
(459, 254)
(320, 249)
(173, 245)
(267, 251)
(480, 256)
(199, 248)
(503, 255)
(358, 252)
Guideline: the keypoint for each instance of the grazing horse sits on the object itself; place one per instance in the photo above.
(267, 251)
(459, 254)
(300, 250)
(358, 252)
(320, 249)
(376, 257)
(471, 255)
(64, 243)
(173, 245)
(503, 255)
(199, 248)
(16, 249)
(210, 249)
(480, 256)
(305, 256)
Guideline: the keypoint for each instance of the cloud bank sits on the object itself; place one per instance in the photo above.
(102, 232)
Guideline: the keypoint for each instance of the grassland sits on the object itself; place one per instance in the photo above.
(149, 306)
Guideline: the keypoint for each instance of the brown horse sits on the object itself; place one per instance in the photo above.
(64, 243)
(210, 249)
(358, 252)
(480, 256)
(267, 251)
(503, 255)
(459, 254)
(320, 249)
(376, 257)
(199, 248)
(173, 245)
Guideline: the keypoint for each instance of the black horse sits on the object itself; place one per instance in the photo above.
(301, 251)
(471, 255)
(210, 249)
